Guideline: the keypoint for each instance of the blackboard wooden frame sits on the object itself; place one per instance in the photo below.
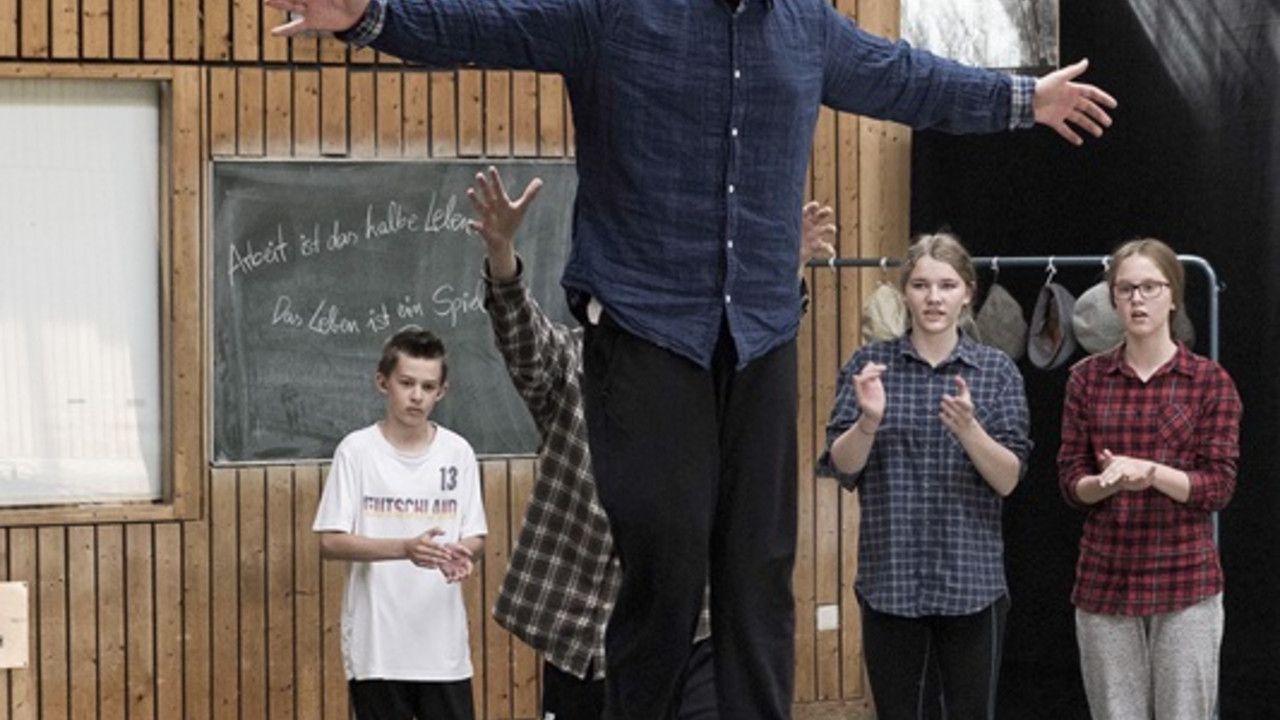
(315, 262)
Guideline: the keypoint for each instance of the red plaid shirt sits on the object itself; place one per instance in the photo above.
(1143, 553)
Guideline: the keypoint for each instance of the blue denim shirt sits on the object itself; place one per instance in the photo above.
(694, 123)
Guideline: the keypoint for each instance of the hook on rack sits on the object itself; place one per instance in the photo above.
(1051, 270)
(995, 269)
(884, 270)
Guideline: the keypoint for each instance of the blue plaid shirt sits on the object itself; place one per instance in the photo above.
(694, 124)
(930, 537)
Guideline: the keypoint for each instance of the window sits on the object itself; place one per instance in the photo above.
(86, 296)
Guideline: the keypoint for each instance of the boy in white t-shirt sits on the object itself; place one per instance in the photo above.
(403, 506)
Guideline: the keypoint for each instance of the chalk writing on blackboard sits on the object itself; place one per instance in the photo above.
(316, 263)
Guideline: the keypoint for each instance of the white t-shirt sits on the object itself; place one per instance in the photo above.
(400, 621)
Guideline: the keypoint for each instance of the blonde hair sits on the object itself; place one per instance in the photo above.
(944, 247)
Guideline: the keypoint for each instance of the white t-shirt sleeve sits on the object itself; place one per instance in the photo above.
(473, 520)
(340, 500)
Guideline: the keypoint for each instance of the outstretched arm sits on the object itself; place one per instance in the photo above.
(1060, 103)
(498, 219)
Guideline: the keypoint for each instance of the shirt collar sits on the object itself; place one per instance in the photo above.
(965, 351)
(1113, 362)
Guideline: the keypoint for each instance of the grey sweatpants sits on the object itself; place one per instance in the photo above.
(1152, 666)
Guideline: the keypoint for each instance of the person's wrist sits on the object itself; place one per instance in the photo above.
(862, 423)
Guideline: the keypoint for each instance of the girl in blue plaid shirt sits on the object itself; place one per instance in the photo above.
(932, 429)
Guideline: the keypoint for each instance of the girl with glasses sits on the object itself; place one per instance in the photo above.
(1150, 437)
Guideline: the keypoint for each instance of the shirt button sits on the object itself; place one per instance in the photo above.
(727, 299)
(730, 188)
(737, 73)
(733, 132)
(729, 244)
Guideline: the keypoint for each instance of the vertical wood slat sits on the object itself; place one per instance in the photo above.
(492, 655)
(5, 577)
(274, 49)
(551, 115)
(827, 505)
(126, 29)
(112, 615)
(389, 114)
(224, 565)
(82, 622)
(246, 43)
(308, 641)
(470, 113)
(253, 593)
(64, 20)
(332, 576)
(222, 114)
(139, 628)
(444, 120)
(23, 690)
(525, 662)
(33, 33)
(51, 622)
(8, 48)
(186, 30)
(333, 111)
(196, 595)
(497, 113)
(251, 113)
(417, 115)
(186, 305)
(279, 113)
(169, 700)
(280, 617)
(306, 113)
(216, 21)
(524, 114)
(361, 115)
(156, 42)
(95, 29)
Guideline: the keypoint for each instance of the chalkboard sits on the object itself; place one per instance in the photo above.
(316, 263)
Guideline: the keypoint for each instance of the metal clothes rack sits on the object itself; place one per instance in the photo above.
(1051, 263)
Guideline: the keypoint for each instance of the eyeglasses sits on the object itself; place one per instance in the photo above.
(1149, 290)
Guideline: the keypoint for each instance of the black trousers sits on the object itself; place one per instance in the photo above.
(696, 469)
(917, 665)
(407, 700)
(566, 697)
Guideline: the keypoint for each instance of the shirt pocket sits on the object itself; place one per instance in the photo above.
(1176, 427)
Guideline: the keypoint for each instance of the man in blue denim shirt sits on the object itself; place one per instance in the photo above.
(694, 121)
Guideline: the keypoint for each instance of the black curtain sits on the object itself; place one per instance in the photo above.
(1193, 159)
